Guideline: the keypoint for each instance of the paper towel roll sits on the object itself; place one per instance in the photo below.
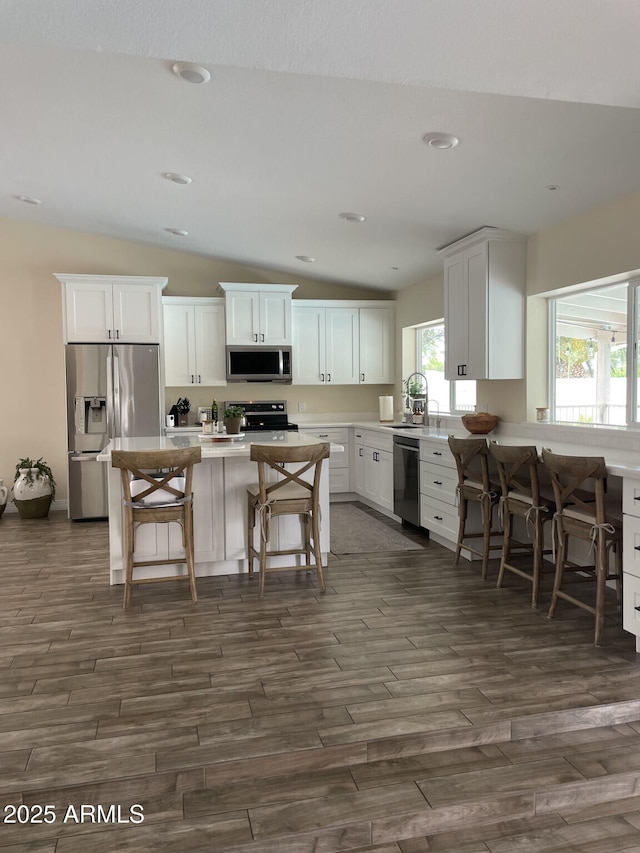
(386, 408)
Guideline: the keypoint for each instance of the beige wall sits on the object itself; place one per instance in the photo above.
(32, 390)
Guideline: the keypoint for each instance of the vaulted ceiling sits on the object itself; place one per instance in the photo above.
(315, 108)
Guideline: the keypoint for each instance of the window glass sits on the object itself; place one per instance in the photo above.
(589, 336)
(449, 396)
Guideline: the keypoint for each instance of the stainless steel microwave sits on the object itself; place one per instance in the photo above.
(259, 364)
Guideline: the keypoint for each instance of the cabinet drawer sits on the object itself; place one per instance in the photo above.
(439, 517)
(336, 435)
(437, 452)
(631, 545)
(378, 440)
(339, 479)
(438, 482)
(630, 601)
(631, 496)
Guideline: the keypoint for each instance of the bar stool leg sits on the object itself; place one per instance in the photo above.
(462, 521)
(487, 518)
(189, 547)
(251, 524)
(317, 551)
(557, 580)
(506, 545)
(130, 544)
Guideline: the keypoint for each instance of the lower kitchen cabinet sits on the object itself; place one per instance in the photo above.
(438, 485)
(339, 468)
(631, 557)
(373, 467)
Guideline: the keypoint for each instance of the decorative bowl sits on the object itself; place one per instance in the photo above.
(480, 423)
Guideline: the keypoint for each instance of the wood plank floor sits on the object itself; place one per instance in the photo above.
(412, 708)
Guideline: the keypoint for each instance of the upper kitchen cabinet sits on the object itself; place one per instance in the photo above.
(193, 341)
(343, 342)
(258, 314)
(104, 309)
(484, 290)
(326, 343)
(377, 336)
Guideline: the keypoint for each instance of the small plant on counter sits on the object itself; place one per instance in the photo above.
(36, 469)
(234, 412)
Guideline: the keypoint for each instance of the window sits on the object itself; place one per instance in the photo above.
(588, 358)
(459, 396)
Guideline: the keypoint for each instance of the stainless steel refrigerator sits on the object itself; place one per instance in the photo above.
(113, 391)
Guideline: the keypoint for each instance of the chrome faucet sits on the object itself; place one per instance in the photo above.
(409, 399)
(438, 420)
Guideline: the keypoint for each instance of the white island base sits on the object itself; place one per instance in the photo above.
(219, 509)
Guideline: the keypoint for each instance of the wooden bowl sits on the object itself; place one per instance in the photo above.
(480, 423)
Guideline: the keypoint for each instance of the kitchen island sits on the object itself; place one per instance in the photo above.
(219, 507)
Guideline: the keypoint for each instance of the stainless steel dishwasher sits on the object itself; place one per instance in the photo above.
(406, 479)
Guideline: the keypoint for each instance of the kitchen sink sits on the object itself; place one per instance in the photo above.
(403, 426)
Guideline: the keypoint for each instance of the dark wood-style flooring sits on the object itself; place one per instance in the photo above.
(412, 708)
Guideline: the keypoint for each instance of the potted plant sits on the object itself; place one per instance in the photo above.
(34, 488)
(233, 416)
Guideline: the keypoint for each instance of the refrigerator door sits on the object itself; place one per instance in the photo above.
(87, 396)
(87, 486)
(137, 405)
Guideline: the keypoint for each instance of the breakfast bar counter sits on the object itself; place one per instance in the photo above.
(220, 483)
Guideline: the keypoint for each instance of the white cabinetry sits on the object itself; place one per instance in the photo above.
(484, 289)
(377, 336)
(193, 341)
(107, 309)
(343, 342)
(438, 482)
(373, 467)
(258, 315)
(339, 468)
(631, 557)
(326, 344)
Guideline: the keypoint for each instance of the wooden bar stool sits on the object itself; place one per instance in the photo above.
(157, 489)
(587, 517)
(282, 490)
(521, 498)
(471, 456)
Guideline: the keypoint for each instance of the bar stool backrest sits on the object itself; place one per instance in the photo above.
(471, 456)
(578, 484)
(518, 471)
(291, 480)
(156, 479)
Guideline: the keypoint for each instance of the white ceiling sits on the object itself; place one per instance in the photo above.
(316, 107)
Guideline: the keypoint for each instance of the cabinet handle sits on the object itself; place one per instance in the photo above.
(199, 379)
(437, 453)
(118, 334)
(322, 377)
(362, 375)
(328, 377)
(255, 337)
(462, 370)
(438, 517)
(360, 451)
(262, 337)
(109, 333)
(323, 435)
(636, 547)
(437, 482)
(637, 499)
(192, 382)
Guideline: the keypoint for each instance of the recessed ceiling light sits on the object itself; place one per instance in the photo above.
(440, 140)
(395, 268)
(190, 72)
(28, 199)
(306, 259)
(177, 179)
(552, 187)
(353, 217)
(179, 232)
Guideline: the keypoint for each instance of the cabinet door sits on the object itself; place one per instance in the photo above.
(376, 345)
(136, 313)
(371, 475)
(309, 345)
(209, 344)
(179, 345)
(89, 312)
(358, 468)
(243, 317)
(275, 319)
(342, 342)
(385, 479)
(476, 266)
(456, 318)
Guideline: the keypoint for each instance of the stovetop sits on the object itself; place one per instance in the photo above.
(264, 415)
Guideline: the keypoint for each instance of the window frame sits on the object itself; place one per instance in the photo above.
(452, 408)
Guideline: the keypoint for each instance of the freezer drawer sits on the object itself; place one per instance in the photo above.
(87, 486)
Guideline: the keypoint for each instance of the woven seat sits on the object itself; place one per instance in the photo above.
(583, 513)
(288, 484)
(157, 489)
(518, 470)
(471, 456)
